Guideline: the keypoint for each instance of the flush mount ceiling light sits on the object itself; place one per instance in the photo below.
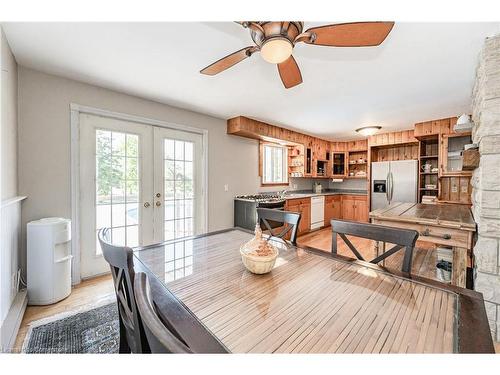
(368, 130)
(276, 50)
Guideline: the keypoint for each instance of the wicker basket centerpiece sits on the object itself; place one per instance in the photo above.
(258, 255)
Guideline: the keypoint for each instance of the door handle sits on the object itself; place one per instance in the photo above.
(158, 203)
(158, 195)
(392, 186)
(147, 204)
(387, 187)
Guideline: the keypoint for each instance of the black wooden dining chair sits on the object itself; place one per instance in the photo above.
(401, 238)
(132, 336)
(290, 220)
(165, 322)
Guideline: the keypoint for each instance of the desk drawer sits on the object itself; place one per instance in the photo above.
(434, 234)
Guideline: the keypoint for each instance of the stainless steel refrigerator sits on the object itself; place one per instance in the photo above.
(393, 181)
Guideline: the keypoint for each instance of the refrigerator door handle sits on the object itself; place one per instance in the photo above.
(388, 188)
(392, 186)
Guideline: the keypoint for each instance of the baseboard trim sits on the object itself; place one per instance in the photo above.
(12, 322)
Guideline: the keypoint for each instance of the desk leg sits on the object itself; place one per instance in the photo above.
(383, 251)
(376, 248)
(459, 271)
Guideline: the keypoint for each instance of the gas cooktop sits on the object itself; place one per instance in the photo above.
(261, 197)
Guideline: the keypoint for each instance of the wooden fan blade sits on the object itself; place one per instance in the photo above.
(228, 61)
(356, 34)
(290, 73)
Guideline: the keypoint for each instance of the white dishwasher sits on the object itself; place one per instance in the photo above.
(317, 211)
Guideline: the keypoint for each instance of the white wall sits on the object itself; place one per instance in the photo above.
(8, 137)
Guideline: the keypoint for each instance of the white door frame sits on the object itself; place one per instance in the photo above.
(75, 111)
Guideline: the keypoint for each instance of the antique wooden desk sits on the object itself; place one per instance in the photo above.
(311, 302)
(441, 224)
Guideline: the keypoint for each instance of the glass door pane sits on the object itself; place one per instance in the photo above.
(178, 195)
(117, 186)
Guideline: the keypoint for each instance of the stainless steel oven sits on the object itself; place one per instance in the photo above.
(245, 209)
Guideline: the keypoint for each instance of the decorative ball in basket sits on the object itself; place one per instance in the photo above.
(258, 255)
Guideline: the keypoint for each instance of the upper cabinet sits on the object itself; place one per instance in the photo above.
(394, 138)
(451, 159)
(435, 127)
(339, 162)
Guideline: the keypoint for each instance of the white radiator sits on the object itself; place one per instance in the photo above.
(12, 303)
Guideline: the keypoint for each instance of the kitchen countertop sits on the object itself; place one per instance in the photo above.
(309, 193)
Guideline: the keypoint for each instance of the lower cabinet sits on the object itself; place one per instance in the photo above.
(303, 206)
(347, 207)
(355, 208)
(333, 208)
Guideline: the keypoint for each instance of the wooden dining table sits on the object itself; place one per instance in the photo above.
(311, 302)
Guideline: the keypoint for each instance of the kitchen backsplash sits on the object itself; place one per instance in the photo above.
(307, 183)
(355, 184)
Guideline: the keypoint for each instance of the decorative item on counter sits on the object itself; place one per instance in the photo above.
(429, 199)
(258, 255)
(426, 168)
(317, 187)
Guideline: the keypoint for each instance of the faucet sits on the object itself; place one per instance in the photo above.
(282, 193)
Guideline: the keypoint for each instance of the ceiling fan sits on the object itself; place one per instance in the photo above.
(275, 41)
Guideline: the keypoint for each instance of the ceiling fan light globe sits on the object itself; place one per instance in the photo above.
(276, 50)
(366, 131)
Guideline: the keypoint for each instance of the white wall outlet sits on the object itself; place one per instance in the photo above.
(226, 187)
(294, 186)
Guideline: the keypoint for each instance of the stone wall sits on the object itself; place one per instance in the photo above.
(486, 179)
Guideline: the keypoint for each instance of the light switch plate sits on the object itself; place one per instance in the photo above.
(226, 187)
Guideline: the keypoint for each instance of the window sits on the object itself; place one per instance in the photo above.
(274, 164)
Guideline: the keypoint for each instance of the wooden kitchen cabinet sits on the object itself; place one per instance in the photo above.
(339, 162)
(333, 208)
(450, 156)
(302, 206)
(355, 208)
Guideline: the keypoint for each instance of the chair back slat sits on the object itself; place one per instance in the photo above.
(161, 336)
(169, 326)
(289, 219)
(401, 238)
(120, 260)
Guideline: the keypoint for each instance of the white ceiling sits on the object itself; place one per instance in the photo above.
(422, 71)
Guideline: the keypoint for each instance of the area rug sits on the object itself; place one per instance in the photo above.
(91, 330)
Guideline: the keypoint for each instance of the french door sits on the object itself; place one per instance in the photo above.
(142, 181)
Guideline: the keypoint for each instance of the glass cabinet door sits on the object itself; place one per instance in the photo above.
(451, 156)
(339, 165)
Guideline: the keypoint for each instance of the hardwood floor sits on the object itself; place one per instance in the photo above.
(88, 292)
(424, 258)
